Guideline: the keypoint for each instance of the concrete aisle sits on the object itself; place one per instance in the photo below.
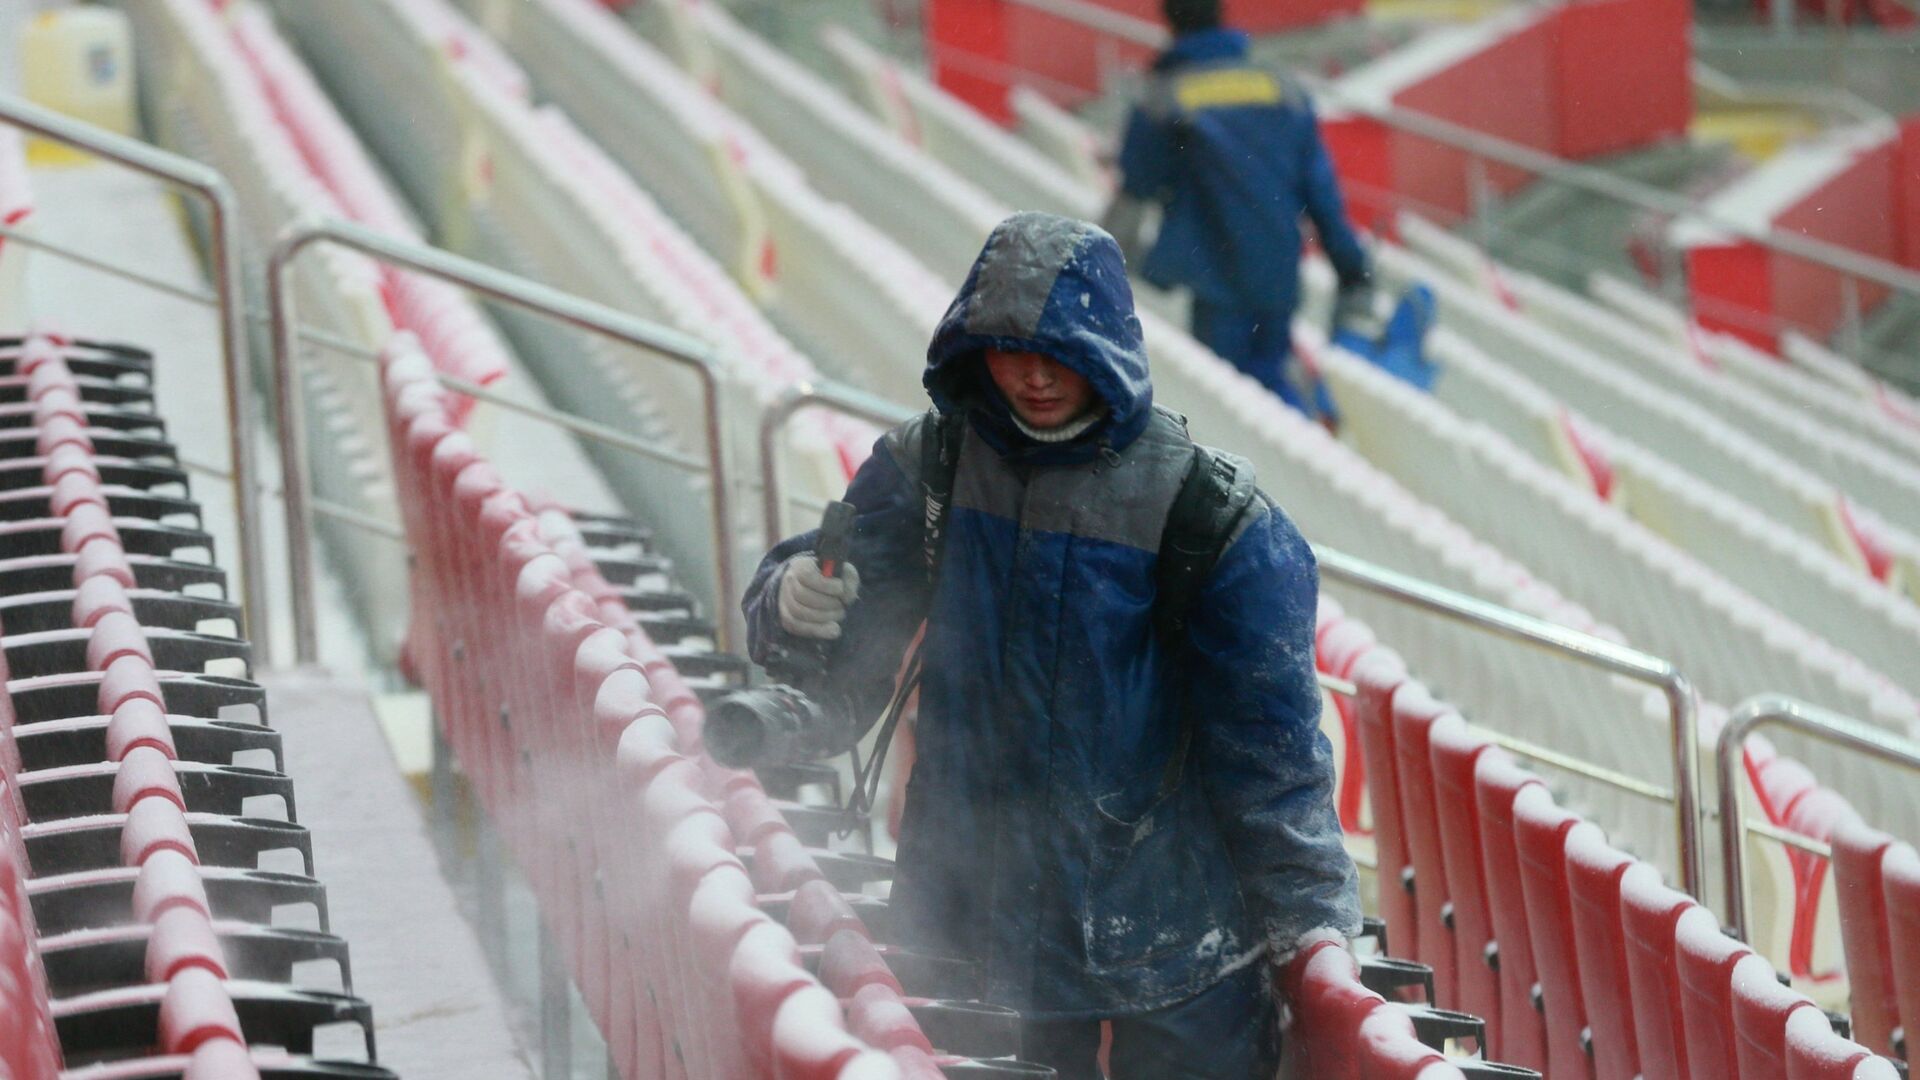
(436, 1010)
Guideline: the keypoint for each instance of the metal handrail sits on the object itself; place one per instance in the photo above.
(1585, 648)
(495, 284)
(1493, 148)
(223, 244)
(1781, 711)
(817, 393)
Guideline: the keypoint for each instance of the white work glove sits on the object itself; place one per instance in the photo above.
(812, 605)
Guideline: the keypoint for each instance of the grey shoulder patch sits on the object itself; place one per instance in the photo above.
(904, 443)
(1024, 258)
(1122, 503)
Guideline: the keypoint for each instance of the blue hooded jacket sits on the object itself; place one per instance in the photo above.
(1041, 836)
(1233, 152)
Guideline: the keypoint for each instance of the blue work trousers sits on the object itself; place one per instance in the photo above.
(1259, 343)
(1229, 1031)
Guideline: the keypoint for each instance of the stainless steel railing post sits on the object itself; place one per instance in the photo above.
(495, 284)
(1682, 706)
(223, 243)
(1811, 720)
(819, 393)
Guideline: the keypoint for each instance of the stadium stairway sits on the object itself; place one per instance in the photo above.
(139, 935)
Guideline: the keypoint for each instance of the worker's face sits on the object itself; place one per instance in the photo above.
(1043, 392)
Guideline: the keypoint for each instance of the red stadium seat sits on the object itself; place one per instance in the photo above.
(1815, 815)
(1648, 913)
(1378, 675)
(1901, 869)
(1326, 1006)
(1761, 1007)
(1705, 958)
(167, 881)
(810, 1039)
(1814, 1052)
(182, 939)
(849, 963)
(1389, 1049)
(155, 825)
(196, 1009)
(1497, 783)
(1414, 713)
(1454, 752)
(879, 1016)
(221, 1059)
(136, 724)
(1594, 870)
(818, 912)
(1340, 642)
(1540, 837)
(1858, 884)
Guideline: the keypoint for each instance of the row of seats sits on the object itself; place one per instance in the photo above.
(1671, 602)
(1877, 889)
(568, 675)
(1835, 587)
(137, 928)
(751, 210)
(449, 326)
(16, 209)
(1658, 391)
(203, 100)
(1582, 961)
(541, 180)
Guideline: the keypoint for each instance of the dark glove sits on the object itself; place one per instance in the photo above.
(1354, 311)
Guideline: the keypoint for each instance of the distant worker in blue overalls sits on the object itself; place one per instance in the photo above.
(1232, 152)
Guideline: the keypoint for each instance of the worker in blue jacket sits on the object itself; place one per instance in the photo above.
(1232, 153)
(1113, 824)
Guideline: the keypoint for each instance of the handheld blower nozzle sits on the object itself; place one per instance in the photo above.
(778, 723)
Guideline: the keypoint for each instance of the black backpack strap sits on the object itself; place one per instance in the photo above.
(1217, 492)
(939, 462)
(1216, 495)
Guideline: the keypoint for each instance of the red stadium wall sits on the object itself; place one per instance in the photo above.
(967, 41)
(1579, 81)
(1622, 74)
(983, 47)
(1870, 203)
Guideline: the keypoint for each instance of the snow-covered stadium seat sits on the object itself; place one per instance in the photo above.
(214, 110)
(16, 207)
(543, 199)
(1669, 422)
(1661, 597)
(831, 281)
(1807, 581)
(957, 136)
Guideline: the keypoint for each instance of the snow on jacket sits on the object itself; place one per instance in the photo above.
(1233, 151)
(1039, 838)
